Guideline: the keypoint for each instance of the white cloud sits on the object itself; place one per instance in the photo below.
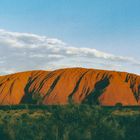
(25, 51)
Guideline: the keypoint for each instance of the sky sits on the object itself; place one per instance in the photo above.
(52, 34)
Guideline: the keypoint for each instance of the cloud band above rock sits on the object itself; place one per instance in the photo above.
(25, 51)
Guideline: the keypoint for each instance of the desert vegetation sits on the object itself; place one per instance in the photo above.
(69, 122)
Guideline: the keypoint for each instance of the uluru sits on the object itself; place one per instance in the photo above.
(70, 85)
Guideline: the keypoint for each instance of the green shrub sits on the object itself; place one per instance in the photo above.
(68, 122)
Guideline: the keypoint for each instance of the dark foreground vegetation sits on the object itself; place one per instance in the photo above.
(70, 122)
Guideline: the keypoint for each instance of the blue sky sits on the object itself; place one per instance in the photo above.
(110, 26)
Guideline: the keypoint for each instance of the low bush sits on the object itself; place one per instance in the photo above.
(68, 122)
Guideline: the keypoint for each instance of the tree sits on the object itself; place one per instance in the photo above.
(118, 104)
(37, 98)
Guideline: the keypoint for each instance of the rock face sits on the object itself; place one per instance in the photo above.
(70, 85)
